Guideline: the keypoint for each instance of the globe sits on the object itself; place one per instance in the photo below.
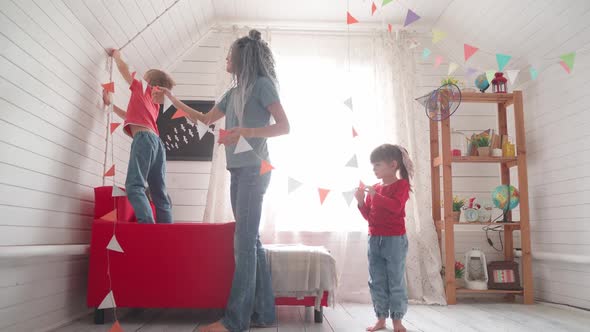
(505, 197)
(481, 82)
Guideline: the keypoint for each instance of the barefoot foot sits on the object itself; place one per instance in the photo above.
(378, 326)
(398, 326)
(214, 327)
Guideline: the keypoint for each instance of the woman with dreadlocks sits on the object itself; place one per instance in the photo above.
(247, 108)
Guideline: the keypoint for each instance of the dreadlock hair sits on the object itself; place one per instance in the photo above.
(251, 58)
(389, 153)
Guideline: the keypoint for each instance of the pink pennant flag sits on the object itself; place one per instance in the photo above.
(110, 172)
(350, 19)
(373, 8)
(354, 133)
(389, 27)
(438, 61)
(323, 194)
(565, 66)
(469, 50)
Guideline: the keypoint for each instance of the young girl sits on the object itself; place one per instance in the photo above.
(247, 108)
(384, 209)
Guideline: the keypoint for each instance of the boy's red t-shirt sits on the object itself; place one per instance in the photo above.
(141, 111)
(386, 210)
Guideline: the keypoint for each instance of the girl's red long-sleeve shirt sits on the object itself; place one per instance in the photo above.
(386, 210)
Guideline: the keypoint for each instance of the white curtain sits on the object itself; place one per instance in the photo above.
(317, 73)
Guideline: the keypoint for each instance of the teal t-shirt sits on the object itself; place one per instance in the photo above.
(256, 115)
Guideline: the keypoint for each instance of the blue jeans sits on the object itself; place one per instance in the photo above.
(147, 164)
(387, 271)
(251, 298)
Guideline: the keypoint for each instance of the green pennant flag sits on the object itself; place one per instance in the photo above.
(569, 59)
(385, 2)
(502, 60)
(490, 75)
(426, 53)
(534, 73)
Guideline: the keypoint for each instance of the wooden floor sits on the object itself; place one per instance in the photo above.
(470, 315)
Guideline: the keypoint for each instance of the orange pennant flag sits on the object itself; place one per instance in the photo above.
(109, 87)
(323, 194)
(222, 134)
(350, 19)
(116, 327)
(179, 114)
(111, 216)
(114, 126)
(354, 133)
(110, 172)
(389, 27)
(373, 8)
(265, 167)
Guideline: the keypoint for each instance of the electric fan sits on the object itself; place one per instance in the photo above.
(442, 102)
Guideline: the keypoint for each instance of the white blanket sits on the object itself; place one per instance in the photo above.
(299, 270)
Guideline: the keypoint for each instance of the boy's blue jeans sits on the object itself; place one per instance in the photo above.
(147, 164)
(387, 270)
(251, 298)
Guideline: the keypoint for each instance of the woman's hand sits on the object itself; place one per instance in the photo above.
(234, 134)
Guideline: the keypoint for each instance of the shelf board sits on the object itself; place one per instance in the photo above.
(509, 161)
(488, 291)
(439, 224)
(494, 98)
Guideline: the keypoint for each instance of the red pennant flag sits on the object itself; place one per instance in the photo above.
(179, 114)
(110, 172)
(565, 66)
(354, 133)
(222, 134)
(469, 51)
(350, 19)
(116, 327)
(373, 8)
(389, 27)
(114, 126)
(111, 216)
(109, 87)
(265, 167)
(323, 194)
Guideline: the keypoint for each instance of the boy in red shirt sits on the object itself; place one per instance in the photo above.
(147, 160)
(384, 209)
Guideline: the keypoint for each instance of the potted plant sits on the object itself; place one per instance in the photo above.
(483, 146)
(457, 205)
(459, 273)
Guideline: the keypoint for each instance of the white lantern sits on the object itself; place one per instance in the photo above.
(476, 270)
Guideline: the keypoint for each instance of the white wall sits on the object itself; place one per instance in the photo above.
(52, 137)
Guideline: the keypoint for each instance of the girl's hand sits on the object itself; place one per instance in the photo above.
(113, 52)
(106, 98)
(360, 195)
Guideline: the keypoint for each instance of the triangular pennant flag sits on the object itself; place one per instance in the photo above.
(389, 27)
(411, 17)
(350, 19)
(565, 67)
(373, 8)
(385, 2)
(469, 50)
(110, 172)
(439, 59)
(108, 302)
(118, 192)
(352, 162)
(534, 73)
(348, 196)
(222, 134)
(265, 167)
(109, 87)
(568, 59)
(414, 44)
(145, 85)
(114, 245)
(202, 129)
(426, 53)
(242, 146)
(452, 67)
(354, 133)
(348, 103)
(114, 126)
(502, 60)
(470, 72)
(512, 74)
(323, 194)
(293, 185)
(438, 35)
(179, 114)
(116, 327)
(167, 104)
(490, 75)
(111, 216)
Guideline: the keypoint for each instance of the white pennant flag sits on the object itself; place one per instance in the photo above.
(242, 146)
(114, 245)
(452, 67)
(293, 185)
(348, 196)
(348, 103)
(512, 74)
(117, 192)
(202, 129)
(167, 104)
(352, 162)
(145, 85)
(108, 302)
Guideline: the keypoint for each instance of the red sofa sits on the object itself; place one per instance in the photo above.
(180, 265)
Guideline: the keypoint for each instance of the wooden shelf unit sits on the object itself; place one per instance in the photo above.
(440, 153)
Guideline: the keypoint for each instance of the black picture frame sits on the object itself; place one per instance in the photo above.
(180, 136)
